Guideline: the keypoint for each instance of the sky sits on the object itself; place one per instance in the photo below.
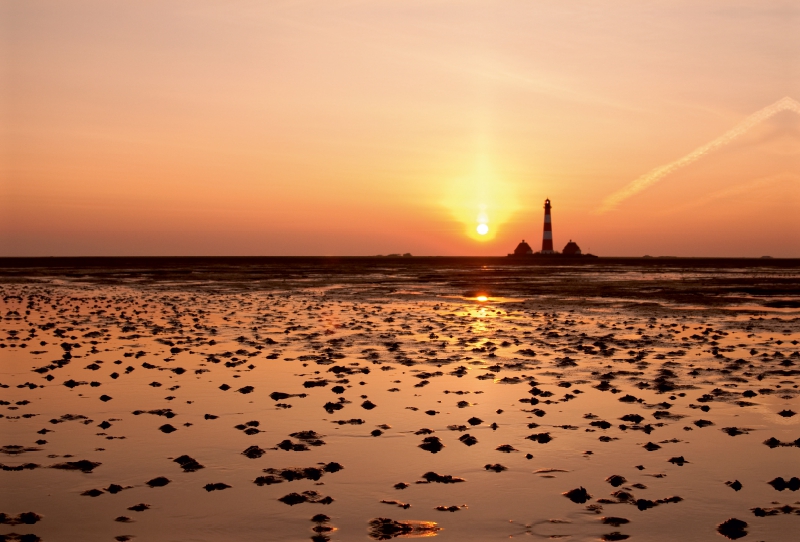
(373, 127)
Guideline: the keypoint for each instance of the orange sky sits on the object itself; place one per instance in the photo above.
(369, 127)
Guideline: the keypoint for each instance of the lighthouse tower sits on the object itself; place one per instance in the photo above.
(547, 237)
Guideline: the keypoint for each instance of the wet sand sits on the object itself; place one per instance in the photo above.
(358, 399)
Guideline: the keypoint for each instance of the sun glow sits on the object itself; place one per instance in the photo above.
(481, 197)
(482, 298)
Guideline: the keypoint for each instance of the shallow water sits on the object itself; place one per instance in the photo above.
(580, 345)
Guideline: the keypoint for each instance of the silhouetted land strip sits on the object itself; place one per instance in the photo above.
(152, 261)
(707, 282)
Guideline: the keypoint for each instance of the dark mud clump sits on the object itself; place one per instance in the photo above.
(15, 537)
(290, 446)
(633, 418)
(775, 510)
(451, 508)
(468, 439)
(116, 488)
(305, 497)
(614, 521)
(431, 476)
(732, 528)
(578, 495)
(352, 421)
(92, 493)
(14, 449)
(249, 428)
(793, 484)
(160, 481)
(783, 304)
(218, 486)
(772, 442)
(541, 438)
(292, 474)
(83, 465)
(616, 480)
(25, 518)
(24, 466)
(141, 507)
(735, 431)
(403, 505)
(386, 529)
(267, 480)
(432, 444)
(306, 438)
(646, 504)
(680, 461)
(188, 464)
(253, 452)
(321, 528)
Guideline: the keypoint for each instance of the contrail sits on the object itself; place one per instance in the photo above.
(649, 179)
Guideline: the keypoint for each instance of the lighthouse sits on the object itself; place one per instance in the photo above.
(547, 236)
(572, 252)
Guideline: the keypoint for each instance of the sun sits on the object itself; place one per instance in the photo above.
(482, 229)
(482, 298)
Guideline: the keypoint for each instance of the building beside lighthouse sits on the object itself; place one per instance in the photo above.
(523, 249)
(571, 249)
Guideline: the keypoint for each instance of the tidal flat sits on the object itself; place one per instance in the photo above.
(239, 399)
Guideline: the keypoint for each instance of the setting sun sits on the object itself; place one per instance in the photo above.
(482, 298)
(483, 229)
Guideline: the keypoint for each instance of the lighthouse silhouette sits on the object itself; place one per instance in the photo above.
(547, 236)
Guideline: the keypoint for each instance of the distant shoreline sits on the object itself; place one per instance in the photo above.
(144, 262)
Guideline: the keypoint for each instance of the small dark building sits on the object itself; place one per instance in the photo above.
(572, 249)
(523, 249)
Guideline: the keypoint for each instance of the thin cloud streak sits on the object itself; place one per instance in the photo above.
(649, 179)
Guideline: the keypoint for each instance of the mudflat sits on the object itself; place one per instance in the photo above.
(373, 398)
